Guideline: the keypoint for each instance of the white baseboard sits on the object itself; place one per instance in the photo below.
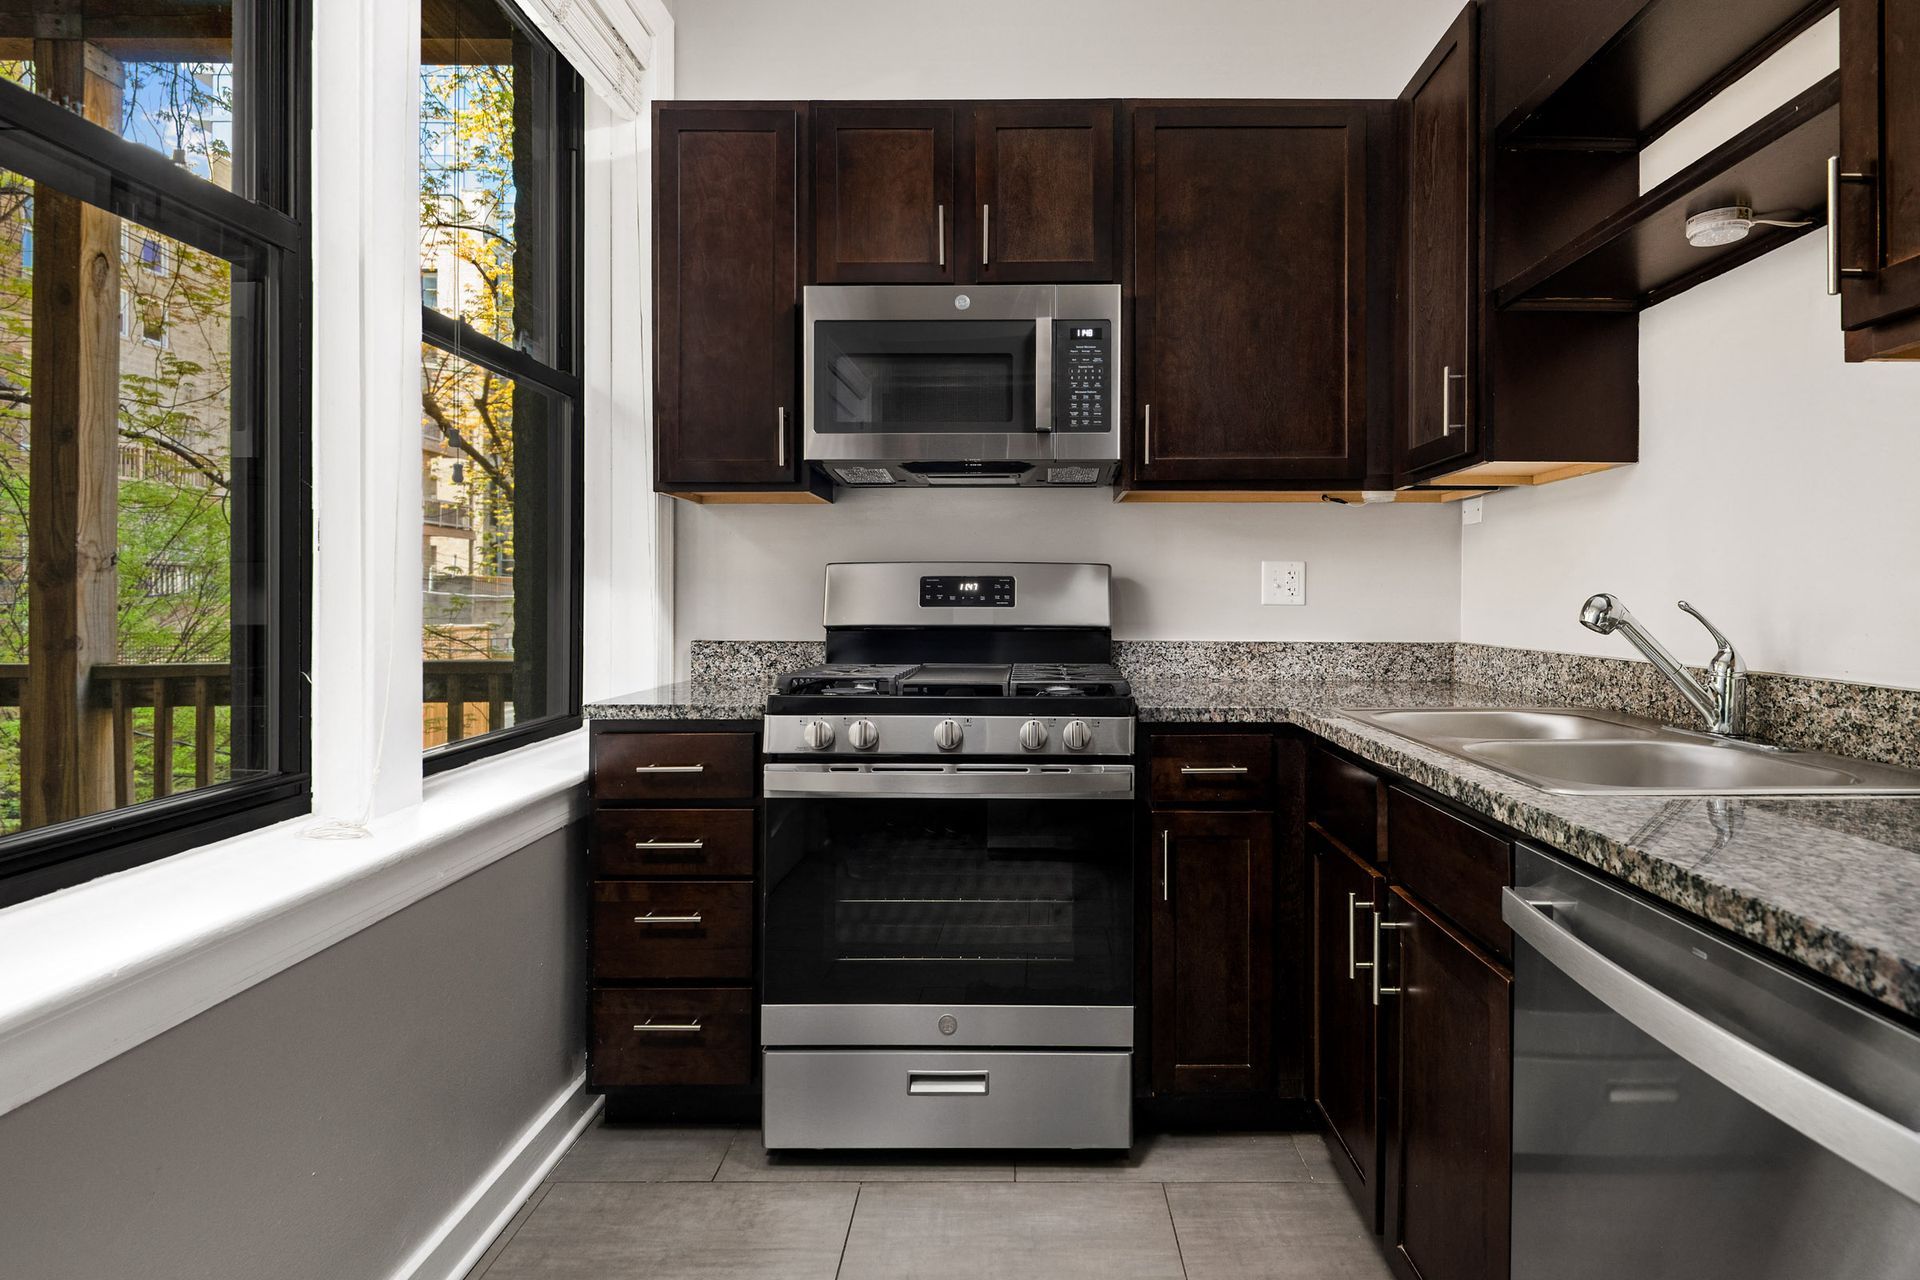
(489, 1205)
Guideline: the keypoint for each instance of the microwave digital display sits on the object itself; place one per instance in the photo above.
(948, 592)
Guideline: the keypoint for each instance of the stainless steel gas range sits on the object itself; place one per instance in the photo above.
(948, 915)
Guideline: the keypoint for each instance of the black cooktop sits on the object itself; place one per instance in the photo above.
(957, 680)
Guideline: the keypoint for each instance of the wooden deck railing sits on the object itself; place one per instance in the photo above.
(146, 700)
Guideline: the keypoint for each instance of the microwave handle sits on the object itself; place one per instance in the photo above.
(1043, 371)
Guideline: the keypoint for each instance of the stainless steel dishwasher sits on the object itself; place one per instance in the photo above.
(1683, 1107)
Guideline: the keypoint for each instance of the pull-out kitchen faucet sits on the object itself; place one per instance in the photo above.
(1722, 701)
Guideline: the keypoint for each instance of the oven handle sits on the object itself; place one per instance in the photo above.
(1877, 1145)
(950, 781)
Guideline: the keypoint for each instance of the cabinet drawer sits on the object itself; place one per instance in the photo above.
(673, 842)
(1343, 800)
(667, 931)
(1454, 865)
(686, 1035)
(1212, 768)
(673, 766)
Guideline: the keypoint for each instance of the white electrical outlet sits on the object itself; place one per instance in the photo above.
(1470, 512)
(1283, 582)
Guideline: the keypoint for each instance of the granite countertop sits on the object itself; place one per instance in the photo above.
(1833, 884)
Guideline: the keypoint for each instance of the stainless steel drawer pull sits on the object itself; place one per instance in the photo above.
(1447, 378)
(650, 918)
(1166, 864)
(1146, 439)
(1204, 770)
(670, 844)
(986, 213)
(669, 768)
(780, 437)
(1354, 964)
(1378, 925)
(947, 1084)
(667, 1026)
(940, 231)
(1836, 272)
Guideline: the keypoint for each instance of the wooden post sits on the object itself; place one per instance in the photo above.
(67, 757)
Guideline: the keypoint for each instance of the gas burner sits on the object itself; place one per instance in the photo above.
(1067, 680)
(844, 680)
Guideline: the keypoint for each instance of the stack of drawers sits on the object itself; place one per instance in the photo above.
(672, 908)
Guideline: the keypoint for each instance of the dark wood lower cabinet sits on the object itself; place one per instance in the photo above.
(1212, 920)
(1346, 893)
(671, 1036)
(1446, 1020)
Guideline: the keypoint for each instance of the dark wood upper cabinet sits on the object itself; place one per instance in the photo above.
(883, 204)
(1346, 892)
(1448, 1100)
(1043, 199)
(1212, 922)
(1879, 223)
(727, 288)
(1249, 335)
(1440, 300)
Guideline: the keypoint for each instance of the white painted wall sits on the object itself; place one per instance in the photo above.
(1184, 571)
(1774, 489)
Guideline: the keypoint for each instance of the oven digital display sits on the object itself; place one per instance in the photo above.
(948, 592)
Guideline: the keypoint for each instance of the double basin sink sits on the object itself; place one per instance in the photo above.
(1578, 751)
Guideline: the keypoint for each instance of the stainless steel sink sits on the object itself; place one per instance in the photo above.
(1587, 752)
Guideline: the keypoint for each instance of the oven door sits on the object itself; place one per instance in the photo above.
(948, 904)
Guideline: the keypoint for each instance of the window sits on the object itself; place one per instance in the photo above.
(500, 386)
(153, 438)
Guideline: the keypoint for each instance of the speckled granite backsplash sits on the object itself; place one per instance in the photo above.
(751, 661)
(1318, 660)
(1868, 722)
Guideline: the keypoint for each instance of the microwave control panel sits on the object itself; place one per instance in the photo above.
(1082, 375)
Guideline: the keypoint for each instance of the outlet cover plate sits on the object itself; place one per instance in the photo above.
(1283, 582)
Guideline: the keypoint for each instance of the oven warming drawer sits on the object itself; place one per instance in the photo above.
(825, 1099)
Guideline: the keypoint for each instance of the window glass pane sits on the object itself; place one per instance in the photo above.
(157, 72)
(487, 173)
(491, 452)
(124, 426)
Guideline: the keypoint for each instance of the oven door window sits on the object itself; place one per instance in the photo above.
(875, 901)
(914, 376)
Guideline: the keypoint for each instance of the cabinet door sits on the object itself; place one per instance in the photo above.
(1879, 222)
(1447, 1016)
(1249, 337)
(1346, 892)
(726, 225)
(1442, 121)
(1212, 897)
(883, 210)
(1043, 193)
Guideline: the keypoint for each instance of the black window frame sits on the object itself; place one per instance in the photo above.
(563, 379)
(44, 141)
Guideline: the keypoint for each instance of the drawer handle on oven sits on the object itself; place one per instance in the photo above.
(947, 1084)
(1203, 769)
(669, 768)
(670, 844)
(650, 918)
(651, 1025)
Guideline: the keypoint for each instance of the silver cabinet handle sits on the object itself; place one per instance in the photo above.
(940, 231)
(933, 1084)
(986, 211)
(1877, 1145)
(1378, 925)
(780, 436)
(1835, 272)
(1447, 378)
(668, 1026)
(1166, 864)
(1146, 439)
(670, 844)
(1354, 965)
(669, 768)
(1206, 769)
(650, 918)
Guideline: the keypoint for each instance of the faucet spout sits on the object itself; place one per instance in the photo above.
(1722, 706)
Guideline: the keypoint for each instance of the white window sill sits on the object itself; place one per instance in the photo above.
(92, 971)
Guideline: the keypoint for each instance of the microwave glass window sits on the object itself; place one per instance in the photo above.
(917, 376)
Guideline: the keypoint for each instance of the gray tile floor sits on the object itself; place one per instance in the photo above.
(658, 1203)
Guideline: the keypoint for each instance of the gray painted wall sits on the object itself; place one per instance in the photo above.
(320, 1125)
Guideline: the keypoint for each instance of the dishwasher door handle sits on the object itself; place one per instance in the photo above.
(1877, 1145)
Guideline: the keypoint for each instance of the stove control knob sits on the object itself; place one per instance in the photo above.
(1077, 736)
(1033, 735)
(947, 735)
(863, 735)
(817, 734)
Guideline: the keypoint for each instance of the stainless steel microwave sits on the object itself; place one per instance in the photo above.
(963, 385)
